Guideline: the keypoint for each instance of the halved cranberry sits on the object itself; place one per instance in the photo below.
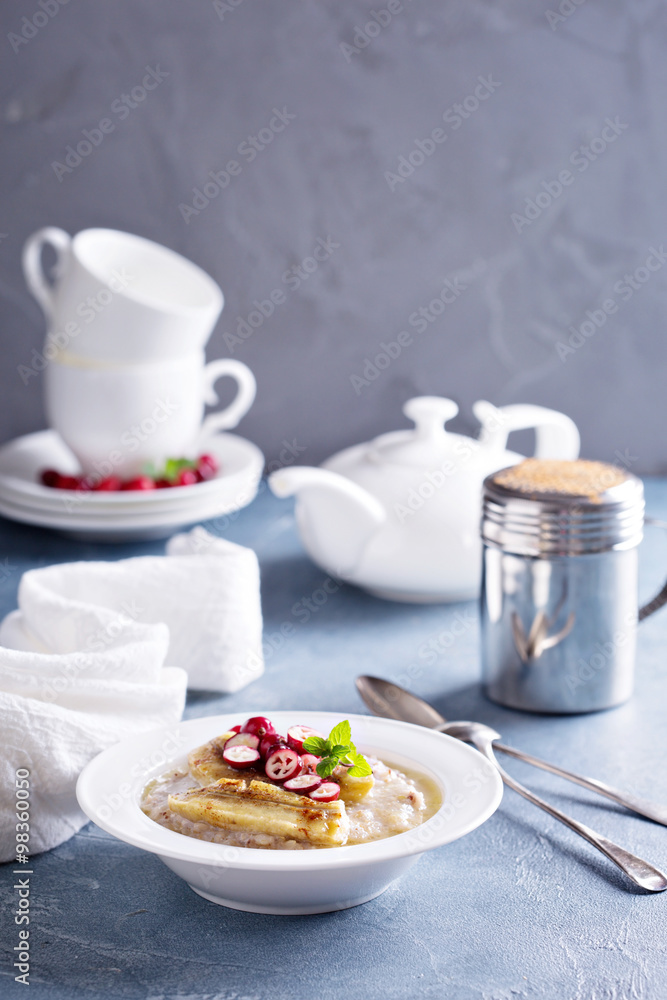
(303, 784)
(328, 791)
(258, 725)
(297, 734)
(282, 763)
(310, 762)
(139, 483)
(49, 477)
(240, 756)
(243, 740)
(187, 477)
(268, 742)
(207, 466)
(234, 729)
(109, 485)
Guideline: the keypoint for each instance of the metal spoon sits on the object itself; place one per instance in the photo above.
(482, 738)
(394, 702)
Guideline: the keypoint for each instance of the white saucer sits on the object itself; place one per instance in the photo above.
(125, 515)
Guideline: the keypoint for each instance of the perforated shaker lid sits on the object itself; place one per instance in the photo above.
(542, 507)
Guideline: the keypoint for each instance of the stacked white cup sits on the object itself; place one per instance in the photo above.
(127, 324)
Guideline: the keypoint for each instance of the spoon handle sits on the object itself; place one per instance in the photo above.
(641, 872)
(642, 806)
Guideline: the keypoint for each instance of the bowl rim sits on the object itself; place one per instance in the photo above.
(449, 763)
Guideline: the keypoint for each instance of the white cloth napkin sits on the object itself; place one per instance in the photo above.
(82, 663)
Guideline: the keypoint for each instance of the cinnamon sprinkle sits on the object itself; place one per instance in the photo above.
(582, 478)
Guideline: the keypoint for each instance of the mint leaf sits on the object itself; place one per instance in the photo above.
(360, 768)
(316, 745)
(341, 734)
(326, 766)
(338, 749)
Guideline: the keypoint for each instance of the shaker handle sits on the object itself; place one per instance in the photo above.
(556, 434)
(245, 397)
(32, 264)
(660, 599)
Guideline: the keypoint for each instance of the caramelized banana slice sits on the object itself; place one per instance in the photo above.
(206, 763)
(353, 789)
(238, 803)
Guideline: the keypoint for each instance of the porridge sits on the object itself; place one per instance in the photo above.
(251, 787)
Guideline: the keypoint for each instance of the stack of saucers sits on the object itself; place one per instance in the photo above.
(125, 515)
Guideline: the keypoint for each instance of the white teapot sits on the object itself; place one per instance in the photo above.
(399, 516)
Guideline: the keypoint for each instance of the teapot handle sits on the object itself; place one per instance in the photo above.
(556, 434)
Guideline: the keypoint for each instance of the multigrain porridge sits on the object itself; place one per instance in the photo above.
(247, 789)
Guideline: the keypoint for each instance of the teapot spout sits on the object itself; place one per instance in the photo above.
(336, 517)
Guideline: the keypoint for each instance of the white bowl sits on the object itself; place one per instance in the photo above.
(290, 882)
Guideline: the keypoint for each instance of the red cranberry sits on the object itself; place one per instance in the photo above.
(258, 725)
(282, 763)
(328, 791)
(109, 485)
(68, 483)
(139, 483)
(310, 762)
(207, 466)
(186, 477)
(297, 734)
(239, 756)
(162, 484)
(303, 784)
(268, 742)
(50, 477)
(243, 740)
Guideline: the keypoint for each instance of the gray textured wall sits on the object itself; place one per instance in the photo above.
(555, 80)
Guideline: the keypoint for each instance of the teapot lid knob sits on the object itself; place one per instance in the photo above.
(428, 444)
(430, 413)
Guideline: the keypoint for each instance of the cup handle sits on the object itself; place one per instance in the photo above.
(32, 263)
(556, 434)
(247, 389)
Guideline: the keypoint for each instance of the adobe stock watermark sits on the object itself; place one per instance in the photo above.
(31, 26)
(454, 285)
(222, 7)
(473, 781)
(122, 107)
(464, 449)
(129, 441)
(293, 278)
(87, 310)
(581, 158)
(432, 649)
(584, 670)
(454, 116)
(566, 8)
(248, 149)
(287, 455)
(301, 613)
(623, 289)
(379, 20)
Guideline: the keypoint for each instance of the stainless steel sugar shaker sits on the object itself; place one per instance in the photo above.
(559, 591)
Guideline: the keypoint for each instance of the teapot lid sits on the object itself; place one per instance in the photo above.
(428, 444)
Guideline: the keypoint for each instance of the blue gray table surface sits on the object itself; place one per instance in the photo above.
(520, 908)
